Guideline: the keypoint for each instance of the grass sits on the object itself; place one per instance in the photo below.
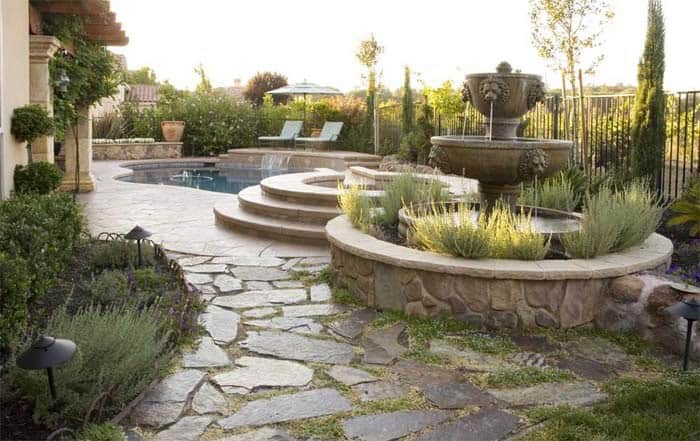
(638, 410)
(327, 427)
(411, 401)
(632, 344)
(496, 345)
(527, 376)
(342, 296)
(420, 329)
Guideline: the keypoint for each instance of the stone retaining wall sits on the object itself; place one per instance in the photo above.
(150, 150)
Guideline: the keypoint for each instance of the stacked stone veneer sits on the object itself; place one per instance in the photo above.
(501, 294)
(147, 150)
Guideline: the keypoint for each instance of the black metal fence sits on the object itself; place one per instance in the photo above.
(599, 127)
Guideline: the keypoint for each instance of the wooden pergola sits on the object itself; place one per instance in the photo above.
(99, 22)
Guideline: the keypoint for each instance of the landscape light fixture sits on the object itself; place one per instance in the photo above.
(47, 353)
(689, 310)
(138, 234)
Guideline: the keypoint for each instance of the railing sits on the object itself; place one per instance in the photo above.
(601, 144)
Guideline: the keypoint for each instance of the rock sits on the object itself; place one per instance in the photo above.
(258, 372)
(661, 298)
(382, 345)
(208, 354)
(176, 387)
(288, 284)
(626, 289)
(206, 268)
(207, 289)
(259, 273)
(155, 414)
(209, 400)
(227, 284)
(353, 326)
(308, 404)
(198, 279)
(193, 260)
(602, 351)
(296, 347)
(487, 424)
(391, 426)
(533, 343)
(259, 312)
(312, 310)
(263, 434)
(580, 302)
(545, 319)
(457, 396)
(249, 261)
(256, 285)
(300, 325)
(320, 292)
(350, 376)
(309, 269)
(253, 299)
(189, 428)
(221, 324)
(589, 369)
(530, 359)
(314, 261)
(472, 360)
(290, 263)
(379, 390)
(554, 394)
(421, 375)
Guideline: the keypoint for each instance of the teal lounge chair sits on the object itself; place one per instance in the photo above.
(290, 131)
(329, 133)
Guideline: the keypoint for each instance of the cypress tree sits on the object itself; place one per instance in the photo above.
(648, 132)
(407, 103)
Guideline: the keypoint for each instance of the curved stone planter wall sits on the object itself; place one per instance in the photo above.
(498, 293)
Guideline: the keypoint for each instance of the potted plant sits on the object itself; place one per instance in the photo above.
(29, 123)
(172, 130)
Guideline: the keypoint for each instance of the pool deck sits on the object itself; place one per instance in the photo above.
(180, 218)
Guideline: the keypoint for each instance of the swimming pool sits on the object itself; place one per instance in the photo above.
(222, 180)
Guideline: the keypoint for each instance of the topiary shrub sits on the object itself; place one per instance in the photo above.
(37, 178)
(30, 122)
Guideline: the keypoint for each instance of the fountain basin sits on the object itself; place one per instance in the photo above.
(499, 293)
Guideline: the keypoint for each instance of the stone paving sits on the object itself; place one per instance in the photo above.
(275, 363)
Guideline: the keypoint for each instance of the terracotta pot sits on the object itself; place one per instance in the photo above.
(172, 130)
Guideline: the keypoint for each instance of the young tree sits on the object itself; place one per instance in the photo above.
(144, 75)
(446, 100)
(648, 132)
(368, 55)
(261, 83)
(563, 29)
(407, 102)
(204, 85)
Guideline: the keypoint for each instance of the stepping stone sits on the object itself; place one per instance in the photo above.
(176, 387)
(572, 394)
(207, 289)
(602, 351)
(589, 369)
(320, 292)
(208, 354)
(353, 326)
(288, 284)
(209, 400)
(350, 376)
(533, 343)
(195, 260)
(421, 375)
(206, 268)
(249, 261)
(379, 390)
(253, 299)
(382, 345)
(530, 359)
(156, 414)
(207, 298)
(314, 261)
(312, 310)
(457, 396)
(296, 347)
(258, 372)
(259, 273)
(308, 404)
(300, 325)
(227, 284)
(256, 285)
(309, 269)
(198, 279)
(487, 424)
(391, 426)
(220, 323)
(471, 360)
(290, 263)
(259, 312)
(264, 434)
(189, 428)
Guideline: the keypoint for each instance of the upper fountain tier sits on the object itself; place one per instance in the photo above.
(503, 97)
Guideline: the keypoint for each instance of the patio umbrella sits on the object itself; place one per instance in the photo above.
(303, 89)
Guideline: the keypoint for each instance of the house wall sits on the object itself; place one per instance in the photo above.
(14, 84)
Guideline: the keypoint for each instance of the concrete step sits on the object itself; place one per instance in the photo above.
(253, 200)
(234, 217)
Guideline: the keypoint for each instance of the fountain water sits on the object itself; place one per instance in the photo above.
(275, 161)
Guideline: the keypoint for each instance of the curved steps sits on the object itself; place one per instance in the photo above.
(254, 200)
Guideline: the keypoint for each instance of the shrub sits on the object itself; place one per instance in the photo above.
(14, 286)
(37, 178)
(30, 122)
(687, 208)
(556, 193)
(109, 126)
(110, 287)
(151, 284)
(118, 254)
(405, 189)
(356, 206)
(263, 82)
(120, 351)
(101, 432)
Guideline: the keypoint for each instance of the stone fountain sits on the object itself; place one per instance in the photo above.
(500, 160)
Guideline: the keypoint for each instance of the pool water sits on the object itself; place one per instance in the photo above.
(226, 180)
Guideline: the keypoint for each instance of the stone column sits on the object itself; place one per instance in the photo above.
(83, 164)
(41, 50)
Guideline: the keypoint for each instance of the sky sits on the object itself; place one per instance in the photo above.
(439, 40)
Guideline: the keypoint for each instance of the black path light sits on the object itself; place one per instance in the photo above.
(138, 234)
(46, 353)
(689, 310)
